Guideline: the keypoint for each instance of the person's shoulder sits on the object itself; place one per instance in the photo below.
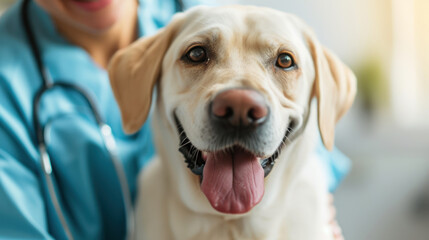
(11, 27)
(156, 14)
(192, 3)
(13, 43)
(14, 50)
(17, 65)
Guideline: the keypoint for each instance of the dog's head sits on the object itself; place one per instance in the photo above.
(234, 84)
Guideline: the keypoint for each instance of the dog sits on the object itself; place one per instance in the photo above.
(234, 124)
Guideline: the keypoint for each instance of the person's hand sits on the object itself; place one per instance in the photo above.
(336, 229)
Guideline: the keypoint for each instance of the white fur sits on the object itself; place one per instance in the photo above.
(170, 202)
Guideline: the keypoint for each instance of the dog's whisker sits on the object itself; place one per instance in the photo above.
(195, 154)
(194, 151)
(184, 144)
(185, 138)
(182, 133)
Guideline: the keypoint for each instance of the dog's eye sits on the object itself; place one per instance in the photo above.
(285, 61)
(197, 55)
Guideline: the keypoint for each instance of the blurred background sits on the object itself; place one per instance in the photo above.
(386, 133)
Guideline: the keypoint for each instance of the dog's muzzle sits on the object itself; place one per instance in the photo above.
(230, 178)
(194, 157)
(233, 168)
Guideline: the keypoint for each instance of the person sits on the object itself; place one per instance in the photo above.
(76, 39)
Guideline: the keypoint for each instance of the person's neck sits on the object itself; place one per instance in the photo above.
(102, 45)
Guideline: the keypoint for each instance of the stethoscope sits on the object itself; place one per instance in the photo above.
(106, 132)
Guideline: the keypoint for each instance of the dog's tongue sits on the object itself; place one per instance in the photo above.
(233, 182)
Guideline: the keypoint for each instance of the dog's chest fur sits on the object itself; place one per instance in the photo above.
(293, 208)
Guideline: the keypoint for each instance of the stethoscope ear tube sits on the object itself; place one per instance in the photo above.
(105, 130)
(46, 161)
(109, 143)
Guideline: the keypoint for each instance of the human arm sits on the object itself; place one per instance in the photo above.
(336, 163)
(22, 207)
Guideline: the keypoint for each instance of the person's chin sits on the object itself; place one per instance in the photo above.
(101, 20)
(98, 25)
(101, 26)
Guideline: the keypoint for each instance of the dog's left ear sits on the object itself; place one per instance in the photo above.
(134, 71)
(334, 88)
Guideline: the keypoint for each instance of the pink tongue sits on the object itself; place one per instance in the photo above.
(233, 182)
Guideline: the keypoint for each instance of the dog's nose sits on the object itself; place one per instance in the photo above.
(239, 107)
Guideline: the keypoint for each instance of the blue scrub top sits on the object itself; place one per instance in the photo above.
(84, 175)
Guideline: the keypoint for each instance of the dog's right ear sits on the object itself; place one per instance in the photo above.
(133, 73)
(334, 87)
(334, 84)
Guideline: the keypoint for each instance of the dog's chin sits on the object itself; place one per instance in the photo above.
(232, 178)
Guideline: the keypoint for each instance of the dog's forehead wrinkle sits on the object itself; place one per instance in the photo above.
(207, 35)
(243, 24)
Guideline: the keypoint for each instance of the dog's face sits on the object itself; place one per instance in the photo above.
(235, 84)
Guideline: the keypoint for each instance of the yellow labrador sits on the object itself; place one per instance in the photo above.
(234, 125)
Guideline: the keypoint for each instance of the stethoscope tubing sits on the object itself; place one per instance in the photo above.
(106, 134)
